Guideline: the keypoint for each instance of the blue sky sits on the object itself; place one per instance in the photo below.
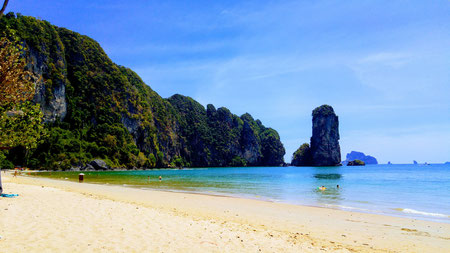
(383, 65)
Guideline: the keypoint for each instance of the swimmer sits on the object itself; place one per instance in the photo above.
(337, 186)
(160, 178)
(323, 188)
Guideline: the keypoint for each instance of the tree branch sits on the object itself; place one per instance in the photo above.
(5, 3)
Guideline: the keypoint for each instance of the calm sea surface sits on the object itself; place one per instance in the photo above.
(415, 191)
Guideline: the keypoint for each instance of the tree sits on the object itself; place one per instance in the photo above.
(20, 119)
(5, 3)
(15, 81)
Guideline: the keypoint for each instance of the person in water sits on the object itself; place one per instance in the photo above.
(337, 186)
(323, 188)
(160, 178)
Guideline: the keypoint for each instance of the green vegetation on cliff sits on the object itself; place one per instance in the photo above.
(302, 156)
(323, 110)
(94, 108)
(218, 137)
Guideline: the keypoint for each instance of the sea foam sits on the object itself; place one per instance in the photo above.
(412, 211)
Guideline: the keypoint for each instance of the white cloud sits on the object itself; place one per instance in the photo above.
(390, 59)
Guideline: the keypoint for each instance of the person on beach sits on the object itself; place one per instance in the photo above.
(160, 178)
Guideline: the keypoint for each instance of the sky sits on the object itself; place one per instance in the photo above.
(383, 65)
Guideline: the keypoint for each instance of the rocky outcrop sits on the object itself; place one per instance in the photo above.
(355, 155)
(302, 157)
(325, 149)
(356, 163)
(98, 164)
(415, 162)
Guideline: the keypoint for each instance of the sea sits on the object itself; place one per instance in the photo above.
(412, 191)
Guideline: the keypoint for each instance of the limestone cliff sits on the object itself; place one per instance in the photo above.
(325, 149)
(218, 137)
(94, 108)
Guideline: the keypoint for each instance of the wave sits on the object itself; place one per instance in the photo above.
(412, 211)
(347, 208)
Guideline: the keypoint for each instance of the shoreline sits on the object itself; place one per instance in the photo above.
(393, 212)
(314, 228)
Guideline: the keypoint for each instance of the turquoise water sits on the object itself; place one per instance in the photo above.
(414, 191)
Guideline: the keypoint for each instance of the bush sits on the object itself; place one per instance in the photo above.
(6, 165)
(238, 162)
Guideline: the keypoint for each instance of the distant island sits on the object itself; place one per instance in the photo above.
(355, 155)
(356, 162)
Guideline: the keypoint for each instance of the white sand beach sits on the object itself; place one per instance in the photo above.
(61, 216)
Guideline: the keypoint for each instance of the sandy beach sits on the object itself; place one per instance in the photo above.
(61, 216)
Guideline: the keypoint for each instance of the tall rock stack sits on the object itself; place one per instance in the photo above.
(325, 149)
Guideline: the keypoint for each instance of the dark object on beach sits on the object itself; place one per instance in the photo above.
(356, 163)
(81, 177)
(9, 195)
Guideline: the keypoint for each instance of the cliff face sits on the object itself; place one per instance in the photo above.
(355, 155)
(325, 149)
(94, 108)
(48, 64)
(218, 137)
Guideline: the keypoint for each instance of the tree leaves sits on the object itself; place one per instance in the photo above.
(20, 120)
(16, 85)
